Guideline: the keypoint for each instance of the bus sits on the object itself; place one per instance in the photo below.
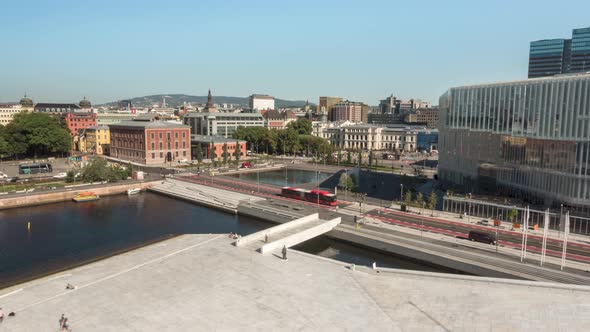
(313, 196)
(35, 168)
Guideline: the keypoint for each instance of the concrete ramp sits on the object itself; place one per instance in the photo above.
(288, 234)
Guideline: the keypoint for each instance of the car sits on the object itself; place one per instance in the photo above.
(3, 176)
(482, 237)
(246, 165)
(483, 222)
(60, 175)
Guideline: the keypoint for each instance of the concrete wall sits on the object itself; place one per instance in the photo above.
(302, 236)
(273, 230)
(69, 193)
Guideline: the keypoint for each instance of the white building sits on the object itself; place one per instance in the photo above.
(261, 102)
(222, 124)
(368, 137)
(7, 112)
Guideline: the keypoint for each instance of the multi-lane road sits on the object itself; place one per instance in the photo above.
(575, 251)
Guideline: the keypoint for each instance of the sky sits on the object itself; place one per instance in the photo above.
(107, 50)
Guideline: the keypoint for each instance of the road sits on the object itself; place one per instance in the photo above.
(575, 251)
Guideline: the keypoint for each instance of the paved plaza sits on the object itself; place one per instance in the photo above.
(203, 283)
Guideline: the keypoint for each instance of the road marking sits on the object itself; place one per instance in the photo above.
(60, 276)
(13, 292)
(117, 274)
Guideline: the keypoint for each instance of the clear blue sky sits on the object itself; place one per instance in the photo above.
(60, 51)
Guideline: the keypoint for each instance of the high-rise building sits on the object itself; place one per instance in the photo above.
(327, 103)
(549, 57)
(580, 54)
(346, 111)
(389, 105)
(528, 138)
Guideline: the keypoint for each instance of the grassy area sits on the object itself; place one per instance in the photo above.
(8, 187)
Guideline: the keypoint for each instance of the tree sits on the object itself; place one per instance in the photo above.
(408, 198)
(4, 147)
(348, 157)
(360, 160)
(339, 156)
(199, 154)
(237, 152)
(370, 158)
(302, 126)
(214, 153)
(224, 153)
(511, 215)
(432, 200)
(37, 134)
(419, 199)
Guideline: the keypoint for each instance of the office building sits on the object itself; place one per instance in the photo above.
(9, 110)
(220, 124)
(550, 57)
(327, 103)
(274, 119)
(580, 53)
(261, 102)
(424, 116)
(528, 138)
(369, 137)
(77, 121)
(346, 111)
(150, 141)
(108, 118)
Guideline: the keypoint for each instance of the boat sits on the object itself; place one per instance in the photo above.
(133, 191)
(86, 196)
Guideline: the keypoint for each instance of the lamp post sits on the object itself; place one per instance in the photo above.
(401, 198)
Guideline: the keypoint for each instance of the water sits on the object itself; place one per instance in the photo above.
(65, 234)
(294, 177)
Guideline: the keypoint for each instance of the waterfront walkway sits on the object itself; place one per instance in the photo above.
(203, 283)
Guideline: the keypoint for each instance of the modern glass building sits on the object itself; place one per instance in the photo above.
(530, 138)
(580, 57)
(549, 57)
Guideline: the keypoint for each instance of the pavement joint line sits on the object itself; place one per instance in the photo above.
(429, 316)
(118, 273)
(60, 276)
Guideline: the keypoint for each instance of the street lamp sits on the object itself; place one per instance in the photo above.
(401, 197)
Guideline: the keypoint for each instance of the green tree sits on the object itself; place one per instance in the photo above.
(349, 157)
(370, 158)
(419, 199)
(432, 200)
(302, 126)
(199, 153)
(37, 134)
(339, 156)
(408, 198)
(224, 153)
(4, 147)
(213, 153)
(360, 157)
(237, 152)
(511, 215)
(96, 170)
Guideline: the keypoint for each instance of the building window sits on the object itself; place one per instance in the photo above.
(184, 145)
(184, 153)
(184, 134)
(153, 156)
(160, 135)
(161, 155)
(176, 145)
(168, 135)
(152, 135)
(177, 153)
(161, 145)
(175, 134)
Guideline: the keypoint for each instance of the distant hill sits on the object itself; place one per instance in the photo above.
(176, 100)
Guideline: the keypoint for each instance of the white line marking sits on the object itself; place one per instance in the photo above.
(13, 292)
(118, 273)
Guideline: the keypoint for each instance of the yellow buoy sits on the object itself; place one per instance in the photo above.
(29, 226)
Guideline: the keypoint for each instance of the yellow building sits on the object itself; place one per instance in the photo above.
(98, 139)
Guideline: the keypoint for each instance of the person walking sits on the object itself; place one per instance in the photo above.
(65, 325)
(1, 315)
(61, 322)
(284, 252)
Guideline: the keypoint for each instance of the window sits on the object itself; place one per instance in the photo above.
(184, 153)
(184, 134)
(160, 145)
(176, 145)
(168, 135)
(152, 135)
(184, 145)
(153, 156)
(161, 155)
(153, 146)
(160, 135)
(176, 135)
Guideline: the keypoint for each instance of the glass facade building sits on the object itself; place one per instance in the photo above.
(549, 57)
(530, 138)
(580, 57)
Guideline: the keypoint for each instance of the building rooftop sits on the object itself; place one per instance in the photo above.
(147, 124)
(257, 96)
(56, 105)
(222, 115)
(213, 139)
(99, 127)
(560, 77)
(202, 282)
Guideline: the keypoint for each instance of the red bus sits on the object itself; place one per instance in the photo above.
(324, 197)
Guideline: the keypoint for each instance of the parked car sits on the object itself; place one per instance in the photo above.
(246, 165)
(61, 175)
(482, 237)
(3, 176)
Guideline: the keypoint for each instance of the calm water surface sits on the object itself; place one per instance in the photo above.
(290, 177)
(68, 233)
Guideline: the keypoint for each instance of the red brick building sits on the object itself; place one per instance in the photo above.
(79, 120)
(150, 141)
(210, 144)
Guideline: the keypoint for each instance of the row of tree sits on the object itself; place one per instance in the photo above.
(419, 200)
(34, 135)
(296, 138)
(100, 170)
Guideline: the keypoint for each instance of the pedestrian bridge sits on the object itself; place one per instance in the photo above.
(288, 234)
